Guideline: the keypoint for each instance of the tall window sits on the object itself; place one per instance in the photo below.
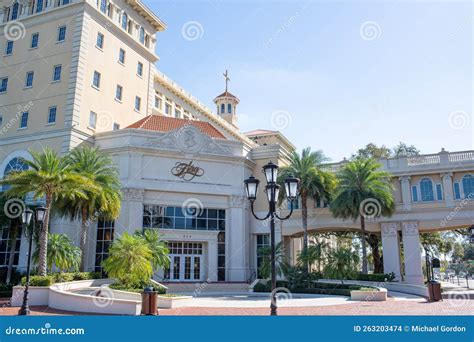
(9, 47)
(468, 186)
(142, 35)
(52, 115)
(24, 120)
(96, 79)
(34, 40)
(92, 120)
(414, 193)
(124, 21)
(439, 192)
(3, 85)
(105, 237)
(57, 73)
(222, 108)
(100, 40)
(221, 256)
(118, 92)
(5, 245)
(157, 102)
(62, 34)
(140, 69)
(122, 56)
(103, 6)
(39, 6)
(229, 108)
(15, 10)
(426, 190)
(296, 204)
(263, 242)
(167, 109)
(138, 103)
(457, 191)
(29, 79)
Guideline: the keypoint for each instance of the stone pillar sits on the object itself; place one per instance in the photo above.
(131, 215)
(448, 189)
(391, 248)
(412, 253)
(406, 192)
(212, 259)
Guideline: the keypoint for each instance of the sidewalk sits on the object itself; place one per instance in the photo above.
(454, 291)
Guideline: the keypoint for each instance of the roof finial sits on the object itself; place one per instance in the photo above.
(227, 79)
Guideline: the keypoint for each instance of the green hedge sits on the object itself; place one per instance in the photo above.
(377, 277)
(50, 279)
(318, 288)
(120, 287)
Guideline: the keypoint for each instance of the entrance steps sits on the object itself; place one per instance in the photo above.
(207, 288)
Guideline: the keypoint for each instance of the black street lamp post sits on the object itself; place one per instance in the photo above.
(25, 220)
(272, 189)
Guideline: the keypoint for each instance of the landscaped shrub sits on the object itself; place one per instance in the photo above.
(120, 287)
(39, 280)
(298, 277)
(318, 288)
(377, 277)
(63, 277)
(5, 290)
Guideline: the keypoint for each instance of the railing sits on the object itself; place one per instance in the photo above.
(427, 159)
(404, 162)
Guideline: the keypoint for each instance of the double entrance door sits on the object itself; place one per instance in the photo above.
(185, 261)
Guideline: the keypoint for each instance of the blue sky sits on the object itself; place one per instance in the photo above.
(333, 75)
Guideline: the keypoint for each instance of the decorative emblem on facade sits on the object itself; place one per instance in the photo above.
(189, 139)
(186, 171)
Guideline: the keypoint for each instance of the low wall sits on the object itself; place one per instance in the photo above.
(59, 296)
(417, 290)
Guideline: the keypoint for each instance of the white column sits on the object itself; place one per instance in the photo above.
(412, 253)
(236, 240)
(131, 215)
(448, 188)
(406, 192)
(391, 248)
(212, 259)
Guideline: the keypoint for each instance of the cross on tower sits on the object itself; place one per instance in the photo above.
(227, 79)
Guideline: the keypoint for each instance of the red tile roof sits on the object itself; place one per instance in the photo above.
(227, 94)
(165, 124)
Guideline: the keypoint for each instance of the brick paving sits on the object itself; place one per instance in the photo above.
(390, 307)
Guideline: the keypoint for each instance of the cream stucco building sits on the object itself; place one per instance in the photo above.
(84, 72)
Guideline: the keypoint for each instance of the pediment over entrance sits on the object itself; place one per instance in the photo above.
(190, 139)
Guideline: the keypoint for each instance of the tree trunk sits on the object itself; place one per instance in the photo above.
(374, 245)
(83, 239)
(364, 245)
(304, 217)
(14, 225)
(43, 239)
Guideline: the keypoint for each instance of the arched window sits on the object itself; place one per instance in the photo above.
(229, 108)
(468, 186)
(15, 11)
(142, 35)
(222, 108)
(124, 21)
(426, 190)
(15, 165)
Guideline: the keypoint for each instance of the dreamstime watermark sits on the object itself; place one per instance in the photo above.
(370, 208)
(200, 288)
(47, 329)
(290, 21)
(14, 207)
(457, 209)
(459, 299)
(14, 30)
(370, 30)
(459, 119)
(14, 120)
(281, 119)
(192, 207)
(103, 297)
(192, 30)
(282, 294)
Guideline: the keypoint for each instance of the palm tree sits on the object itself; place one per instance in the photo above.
(49, 177)
(341, 263)
(363, 191)
(314, 182)
(61, 253)
(129, 260)
(157, 246)
(313, 254)
(103, 200)
(281, 261)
